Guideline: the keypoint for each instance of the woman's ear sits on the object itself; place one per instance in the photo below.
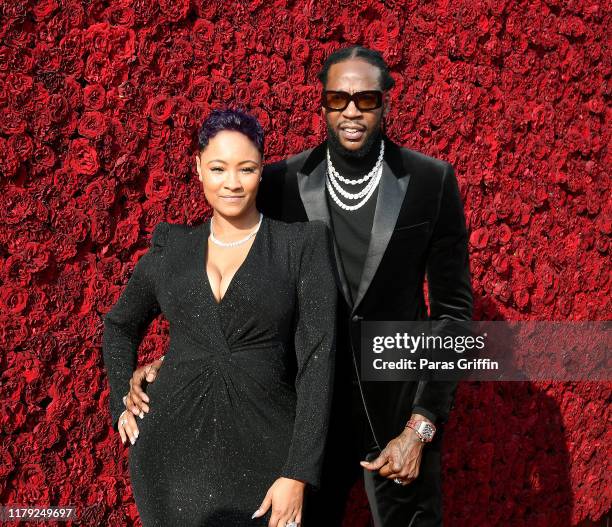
(199, 167)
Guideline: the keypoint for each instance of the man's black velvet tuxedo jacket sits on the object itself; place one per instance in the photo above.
(419, 227)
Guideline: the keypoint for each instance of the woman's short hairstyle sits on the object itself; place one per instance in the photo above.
(231, 119)
(369, 55)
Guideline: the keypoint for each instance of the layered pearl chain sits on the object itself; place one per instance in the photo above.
(372, 178)
(238, 242)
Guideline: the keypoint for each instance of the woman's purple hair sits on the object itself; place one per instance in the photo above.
(231, 119)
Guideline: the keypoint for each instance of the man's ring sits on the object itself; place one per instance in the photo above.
(398, 481)
(291, 524)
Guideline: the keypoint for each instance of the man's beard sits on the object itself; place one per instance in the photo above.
(361, 152)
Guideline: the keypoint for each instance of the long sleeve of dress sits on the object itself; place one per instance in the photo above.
(450, 292)
(126, 322)
(315, 352)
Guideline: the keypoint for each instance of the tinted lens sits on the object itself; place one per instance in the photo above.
(367, 100)
(335, 100)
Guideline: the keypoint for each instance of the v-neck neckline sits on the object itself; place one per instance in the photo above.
(204, 259)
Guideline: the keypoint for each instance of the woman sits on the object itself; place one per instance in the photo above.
(242, 401)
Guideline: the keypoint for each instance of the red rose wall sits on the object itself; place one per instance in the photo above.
(99, 105)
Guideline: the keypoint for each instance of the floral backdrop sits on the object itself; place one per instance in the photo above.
(99, 104)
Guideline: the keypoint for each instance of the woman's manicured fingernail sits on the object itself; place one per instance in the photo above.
(132, 440)
(141, 414)
(255, 514)
(136, 434)
(145, 397)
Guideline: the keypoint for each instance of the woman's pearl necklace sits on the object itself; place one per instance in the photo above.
(239, 242)
(372, 177)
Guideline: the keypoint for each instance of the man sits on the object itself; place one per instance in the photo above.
(395, 215)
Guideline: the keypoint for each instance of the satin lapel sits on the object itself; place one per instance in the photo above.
(391, 192)
(312, 194)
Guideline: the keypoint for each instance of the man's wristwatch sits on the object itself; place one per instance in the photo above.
(423, 429)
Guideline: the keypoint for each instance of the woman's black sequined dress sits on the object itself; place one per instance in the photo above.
(244, 392)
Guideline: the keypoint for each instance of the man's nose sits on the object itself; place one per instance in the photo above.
(351, 110)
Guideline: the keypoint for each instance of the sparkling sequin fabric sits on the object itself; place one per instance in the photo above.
(244, 392)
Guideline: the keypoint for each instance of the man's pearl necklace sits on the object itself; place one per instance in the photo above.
(373, 176)
(239, 242)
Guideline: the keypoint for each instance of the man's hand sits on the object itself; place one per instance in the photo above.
(286, 497)
(137, 399)
(401, 458)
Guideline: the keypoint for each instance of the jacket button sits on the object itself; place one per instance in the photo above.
(356, 318)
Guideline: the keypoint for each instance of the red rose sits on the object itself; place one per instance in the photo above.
(126, 233)
(259, 91)
(259, 66)
(98, 69)
(300, 50)
(174, 10)
(200, 90)
(160, 109)
(43, 158)
(158, 186)
(32, 485)
(82, 157)
(11, 122)
(222, 88)
(101, 193)
(21, 145)
(202, 33)
(92, 125)
(124, 43)
(44, 8)
(94, 96)
(97, 38)
(282, 43)
(479, 237)
(278, 68)
(13, 299)
(48, 434)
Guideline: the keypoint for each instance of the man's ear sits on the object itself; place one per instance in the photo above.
(387, 105)
(324, 119)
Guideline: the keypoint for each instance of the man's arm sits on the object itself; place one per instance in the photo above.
(450, 291)
(450, 300)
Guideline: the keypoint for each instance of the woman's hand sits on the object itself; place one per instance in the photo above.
(127, 427)
(286, 496)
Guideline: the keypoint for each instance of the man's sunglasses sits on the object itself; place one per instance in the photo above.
(364, 100)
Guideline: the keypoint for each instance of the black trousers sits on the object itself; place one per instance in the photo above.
(350, 441)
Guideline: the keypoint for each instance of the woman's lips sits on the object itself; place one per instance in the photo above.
(231, 199)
